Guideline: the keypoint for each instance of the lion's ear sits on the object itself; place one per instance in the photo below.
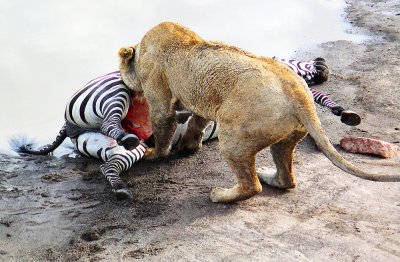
(126, 54)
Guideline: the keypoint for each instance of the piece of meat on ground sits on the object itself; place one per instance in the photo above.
(364, 145)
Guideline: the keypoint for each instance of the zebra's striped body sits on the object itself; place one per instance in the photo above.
(94, 114)
(314, 72)
(101, 104)
(87, 108)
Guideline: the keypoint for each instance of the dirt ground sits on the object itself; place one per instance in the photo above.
(63, 210)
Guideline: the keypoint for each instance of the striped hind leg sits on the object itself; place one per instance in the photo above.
(121, 160)
(315, 72)
(117, 159)
(347, 117)
(112, 128)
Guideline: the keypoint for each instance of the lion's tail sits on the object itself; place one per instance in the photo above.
(307, 115)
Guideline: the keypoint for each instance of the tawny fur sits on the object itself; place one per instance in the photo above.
(257, 101)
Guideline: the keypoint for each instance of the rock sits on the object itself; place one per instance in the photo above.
(369, 146)
(44, 194)
(90, 235)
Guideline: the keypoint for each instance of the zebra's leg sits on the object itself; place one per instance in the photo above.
(117, 159)
(192, 139)
(315, 72)
(347, 117)
(183, 118)
(211, 131)
(112, 127)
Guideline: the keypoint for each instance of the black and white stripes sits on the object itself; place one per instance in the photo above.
(117, 159)
(210, 132)
(316, 72)
(117, 163)
(102, 104)
(313, 72)
(322, 99)
(303, 69)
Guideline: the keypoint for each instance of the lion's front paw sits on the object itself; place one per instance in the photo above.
(188, 148)
(152, 155)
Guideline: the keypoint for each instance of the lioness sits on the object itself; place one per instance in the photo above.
(257, 101)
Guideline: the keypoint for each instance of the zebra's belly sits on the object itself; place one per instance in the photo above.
(73, 131)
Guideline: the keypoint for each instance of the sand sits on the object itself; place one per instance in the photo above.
(62, 209)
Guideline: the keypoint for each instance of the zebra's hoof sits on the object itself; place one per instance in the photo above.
(123, 193)
(350, 118)
(129, 142)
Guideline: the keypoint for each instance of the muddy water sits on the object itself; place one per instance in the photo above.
(51, 49)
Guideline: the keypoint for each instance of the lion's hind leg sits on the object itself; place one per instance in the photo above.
(247, 185)
(240, 154)
(282, 153)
